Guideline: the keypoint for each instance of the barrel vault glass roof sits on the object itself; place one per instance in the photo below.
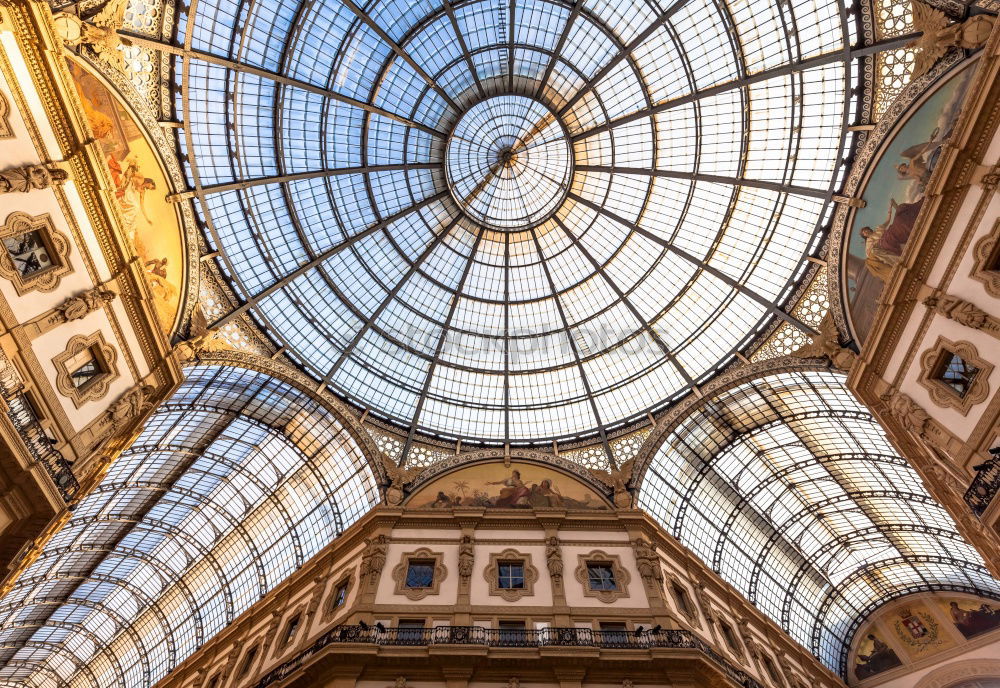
(233, 484)
(705, 139)
(787, 487)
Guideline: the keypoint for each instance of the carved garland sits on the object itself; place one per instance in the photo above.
(56, 244)
(940, 392)
(986, 259)
(422, 554)
(493, 569)
(96, 388)
(622, 577)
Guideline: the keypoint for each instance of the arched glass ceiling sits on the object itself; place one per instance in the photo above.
(232, 485)
(787, 487)
(551, 300)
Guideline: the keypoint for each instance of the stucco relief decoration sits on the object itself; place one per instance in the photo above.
(97, 28)
(129, 406)
(373, 558)
(398, 478)
(492, 575)
(104, 356)
(964, 313)
(553, 559)
(84, 303)
(986, 257)
(648, 562)
(399, 574)
(826, 344)
(34, 255)
(939, 35)
(617, 479)
(943, 394)
(201, 338)
(466, 557)
(621, 576)
(31, 178)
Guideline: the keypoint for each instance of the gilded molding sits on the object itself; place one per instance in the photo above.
(57, 246)
(622, 577)
(106, 357)
(6, 132)
(940, 392)
(491, 574)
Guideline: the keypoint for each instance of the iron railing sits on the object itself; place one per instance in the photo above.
(39, 445)
(505, 637)
(985, 485)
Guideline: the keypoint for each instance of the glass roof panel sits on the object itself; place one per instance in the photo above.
(628, 172)
(788, 488)
(233, 484)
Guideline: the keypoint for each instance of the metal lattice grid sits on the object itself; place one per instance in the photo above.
(706, 140)
(231, 487)
(788, 488)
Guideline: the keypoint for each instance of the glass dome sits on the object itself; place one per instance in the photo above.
(520, 220)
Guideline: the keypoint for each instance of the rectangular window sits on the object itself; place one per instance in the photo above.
(291, 629)
(29, 252)
(956, 373)
(614, 633)
(601, 576)
(510, 575)
(410, 631)
(83, 368)
(771, 670)
(340, 597)
(420, 574)
(680, 594)
(512, 632)
(248, 659)
(729, 636)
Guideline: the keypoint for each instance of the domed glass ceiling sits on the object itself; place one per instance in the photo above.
(514, 220)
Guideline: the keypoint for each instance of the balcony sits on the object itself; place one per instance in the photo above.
(985, 485)
(502, 637)
(38, 444)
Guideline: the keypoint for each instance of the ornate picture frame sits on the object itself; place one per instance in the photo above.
(622, 577)
(57, 246)
(105, 356)
(492, 570)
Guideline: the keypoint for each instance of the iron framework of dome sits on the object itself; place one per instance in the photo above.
(787, 487)
(521, 220)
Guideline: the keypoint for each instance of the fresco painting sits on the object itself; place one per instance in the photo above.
(894, 195)
(873, 657)
(140, 190)
(973, 617)
(518, 486)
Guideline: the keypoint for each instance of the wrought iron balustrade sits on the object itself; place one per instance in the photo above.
(985, 485)
(506, 637)
(23, 417)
